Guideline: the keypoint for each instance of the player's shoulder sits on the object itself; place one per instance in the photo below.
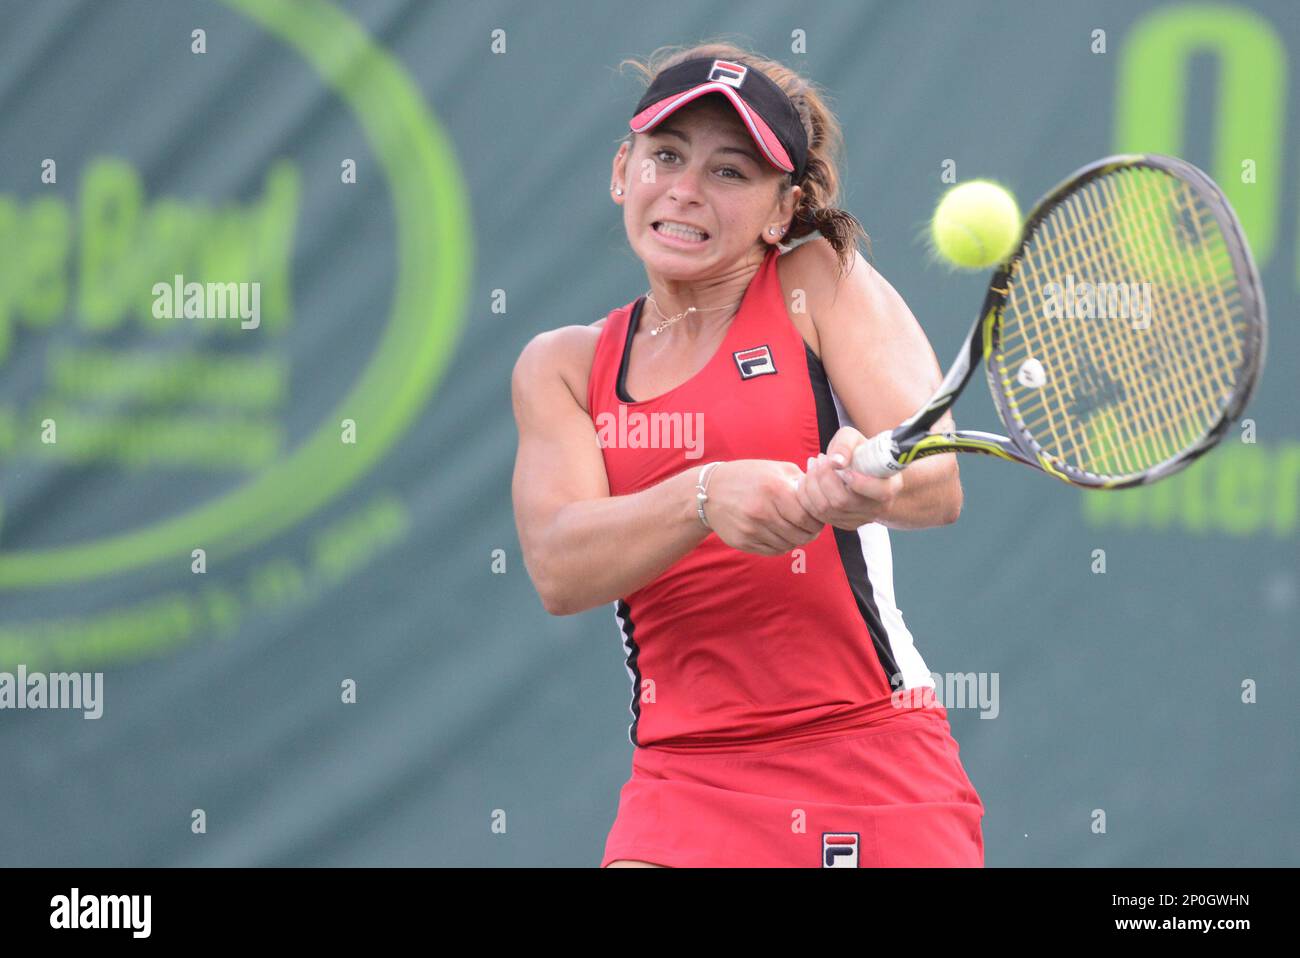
(566, 352)
(563, 343)
(814, 265)
(841, 295)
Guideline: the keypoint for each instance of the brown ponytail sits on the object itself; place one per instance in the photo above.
(818, 210)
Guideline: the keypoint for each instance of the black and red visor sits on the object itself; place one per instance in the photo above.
(766, 111)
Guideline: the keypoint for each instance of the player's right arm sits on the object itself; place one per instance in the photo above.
(583, 547)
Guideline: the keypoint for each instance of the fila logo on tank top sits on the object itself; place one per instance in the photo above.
(726, 646)
(754, 362)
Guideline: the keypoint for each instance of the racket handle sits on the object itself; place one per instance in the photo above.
(877, 456)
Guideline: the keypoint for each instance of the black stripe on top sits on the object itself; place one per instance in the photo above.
(848, 541)
(620, 385)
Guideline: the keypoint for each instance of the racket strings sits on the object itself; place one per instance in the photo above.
(1120, 396)
(1222, 363)
(1035, 340)
(1111, 445)
(1147, 420)
(1215, 354)
(1083, 224)
(1201, 398)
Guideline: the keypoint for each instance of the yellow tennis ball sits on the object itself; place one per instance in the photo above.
(976, 224)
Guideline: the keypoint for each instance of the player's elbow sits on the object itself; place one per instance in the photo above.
(539, 572)
(556, 603)
(554, 598)
(551, 606)
(561, 599)
(557, 598)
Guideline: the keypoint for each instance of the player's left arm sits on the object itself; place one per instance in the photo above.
(884, 369)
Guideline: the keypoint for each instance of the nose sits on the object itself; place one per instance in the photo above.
(686, 184)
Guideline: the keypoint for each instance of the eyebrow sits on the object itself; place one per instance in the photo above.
(673, 131)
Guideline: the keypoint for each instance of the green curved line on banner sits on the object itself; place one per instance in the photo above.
(432, 280)
(1152, 86)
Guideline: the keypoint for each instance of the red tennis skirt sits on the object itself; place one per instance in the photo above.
(891, 795)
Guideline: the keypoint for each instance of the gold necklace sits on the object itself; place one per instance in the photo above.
(689, 309)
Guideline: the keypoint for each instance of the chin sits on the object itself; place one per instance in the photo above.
(673, 265)
(677, 263)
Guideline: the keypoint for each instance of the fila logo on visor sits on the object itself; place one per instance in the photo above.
(839, 849)
(732, 74)
(756, 361)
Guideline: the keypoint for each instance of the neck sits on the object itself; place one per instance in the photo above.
(720, 295)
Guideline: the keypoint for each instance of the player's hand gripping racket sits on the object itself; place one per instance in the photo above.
(1121, 338)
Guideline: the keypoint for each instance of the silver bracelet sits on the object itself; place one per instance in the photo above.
(702, 493)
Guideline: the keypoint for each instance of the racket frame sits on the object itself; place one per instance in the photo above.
(893, 450)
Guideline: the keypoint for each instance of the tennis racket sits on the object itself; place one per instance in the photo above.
(1121, 338)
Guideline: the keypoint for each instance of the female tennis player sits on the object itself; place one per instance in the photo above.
(781, 714)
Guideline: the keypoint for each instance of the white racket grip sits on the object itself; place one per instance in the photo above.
(875, 457)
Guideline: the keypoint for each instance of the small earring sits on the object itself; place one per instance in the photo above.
(618, 191)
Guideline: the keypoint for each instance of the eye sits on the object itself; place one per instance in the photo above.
(735, 173)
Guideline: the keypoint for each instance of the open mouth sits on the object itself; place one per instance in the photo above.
(680, 232)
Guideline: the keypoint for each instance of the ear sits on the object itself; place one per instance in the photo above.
(787, 203)
(618, 173)
(790, 203)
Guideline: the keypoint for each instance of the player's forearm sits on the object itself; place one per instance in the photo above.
(600, 550)
(931, 495)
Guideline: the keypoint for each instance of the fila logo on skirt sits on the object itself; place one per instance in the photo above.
(839, 849)
(756, 361)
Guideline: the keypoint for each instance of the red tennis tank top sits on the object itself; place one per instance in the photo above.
(727, 647)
